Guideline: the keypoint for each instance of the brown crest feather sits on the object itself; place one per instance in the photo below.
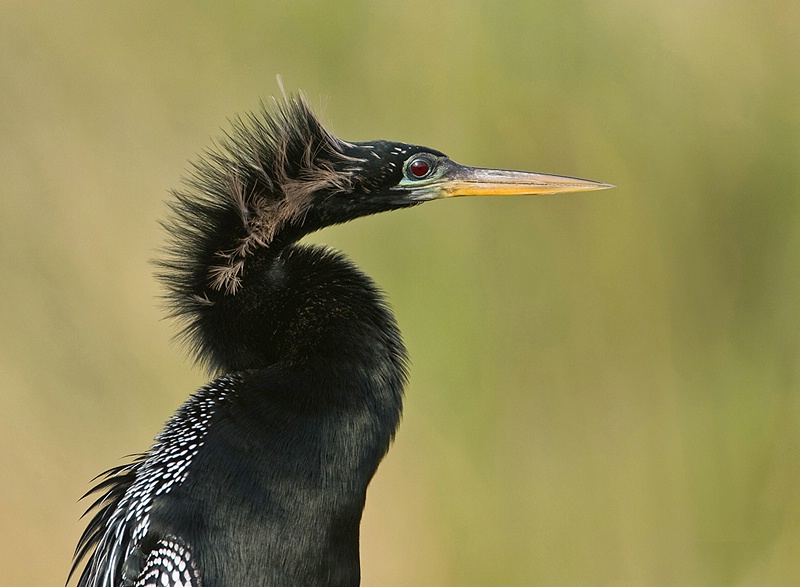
(259, 179)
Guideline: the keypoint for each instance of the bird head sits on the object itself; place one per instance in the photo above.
(282, 174)
(384, 175)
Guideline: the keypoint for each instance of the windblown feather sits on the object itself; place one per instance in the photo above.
(258, 181)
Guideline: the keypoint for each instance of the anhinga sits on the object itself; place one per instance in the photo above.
(259, 478)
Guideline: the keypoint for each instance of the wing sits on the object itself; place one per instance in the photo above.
(118, 542)
(113, 487)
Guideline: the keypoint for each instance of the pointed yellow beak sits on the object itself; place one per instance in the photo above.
(474, 181)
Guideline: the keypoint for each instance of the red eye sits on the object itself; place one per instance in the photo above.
(419, 168)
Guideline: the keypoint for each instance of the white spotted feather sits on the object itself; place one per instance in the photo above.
(123, 518)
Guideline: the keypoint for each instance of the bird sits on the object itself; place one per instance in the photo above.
(260, 476)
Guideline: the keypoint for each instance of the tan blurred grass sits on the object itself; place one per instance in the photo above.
(604, 387)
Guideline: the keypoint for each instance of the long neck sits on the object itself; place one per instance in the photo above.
(321, 368)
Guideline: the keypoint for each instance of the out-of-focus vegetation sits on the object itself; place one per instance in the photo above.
(604, 387)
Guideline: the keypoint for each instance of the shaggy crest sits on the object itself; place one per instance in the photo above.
(258, 179)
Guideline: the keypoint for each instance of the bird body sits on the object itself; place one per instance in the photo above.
(260, 477)
(275, 460)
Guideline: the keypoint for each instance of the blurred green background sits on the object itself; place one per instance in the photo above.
(604, 386)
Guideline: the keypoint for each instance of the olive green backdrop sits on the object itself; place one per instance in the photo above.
(604, 387)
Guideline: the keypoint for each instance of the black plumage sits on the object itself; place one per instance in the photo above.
(260, 477)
